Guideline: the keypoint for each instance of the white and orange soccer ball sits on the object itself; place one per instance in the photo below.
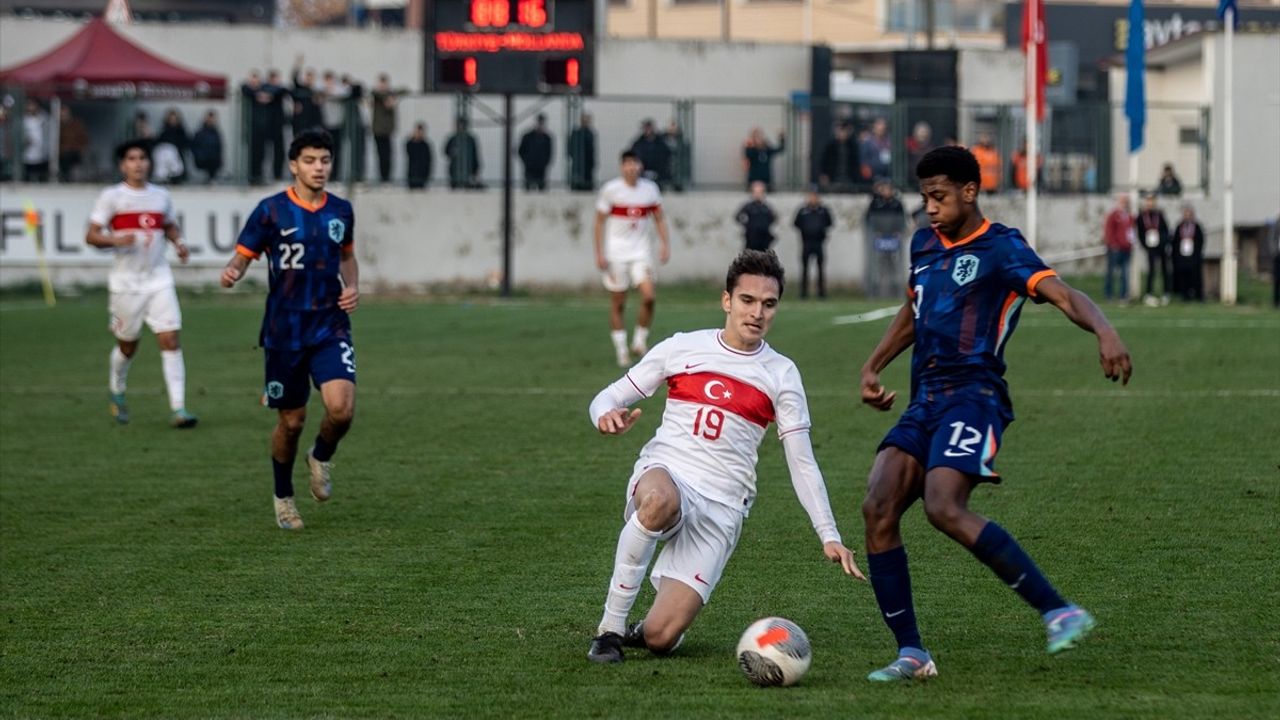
(774, 651)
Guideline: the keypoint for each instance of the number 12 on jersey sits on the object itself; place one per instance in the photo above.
(708, 423)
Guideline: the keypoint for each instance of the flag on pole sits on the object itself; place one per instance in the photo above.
(118, 12)
(1035, 37)
(1135, 60)
(1224, 6)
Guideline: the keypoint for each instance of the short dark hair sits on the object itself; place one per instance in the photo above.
(140, 143)
(955, 162)
(314, 138)
(628, 155)
(755, 262)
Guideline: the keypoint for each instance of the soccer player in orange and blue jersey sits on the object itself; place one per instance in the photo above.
(307, 236)
(969, 278)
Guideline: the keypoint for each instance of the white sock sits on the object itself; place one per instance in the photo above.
(619, 338)
(636, 544)
(175, 378)
(641, 337)
(118, 379)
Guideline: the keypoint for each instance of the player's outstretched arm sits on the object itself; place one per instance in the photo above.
(598, 239)
(900, 335)
(173, 234)
(97, 238)
(234, 270)
(609, 409)
(1112, 354)
(811, 490)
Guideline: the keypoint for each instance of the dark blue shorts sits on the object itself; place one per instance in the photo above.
(290, 373)
(958, 429)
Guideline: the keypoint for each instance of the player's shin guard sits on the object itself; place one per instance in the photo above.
(636, 544)
(175, 378)
(999, 551)
(118, 379)
(891, 580)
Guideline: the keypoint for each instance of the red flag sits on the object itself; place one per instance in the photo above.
(1033, 33)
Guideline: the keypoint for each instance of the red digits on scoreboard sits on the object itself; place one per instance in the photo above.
(532, 13)
(490, 13)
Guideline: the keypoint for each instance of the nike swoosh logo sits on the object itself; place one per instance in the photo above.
(624, 587)
(962, 453)
(287, 233)
(698, 576)
(1021, 577)
(690, 366)
(917, 271)
(895, 614)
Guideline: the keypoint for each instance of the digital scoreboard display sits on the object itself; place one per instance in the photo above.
(525, 47)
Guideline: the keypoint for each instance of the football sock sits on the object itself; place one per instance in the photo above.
(891, 581)
(636, 544)
(322, 450)
(641, 337)
(619, 338)
(175, 377)
(284, 478)
(999, 551)
(119, 377)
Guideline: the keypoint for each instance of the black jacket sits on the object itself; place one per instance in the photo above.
(206, 149)
(420, 160)
(1152, 220)
(535, 152)
(813, 222)
(757, 218)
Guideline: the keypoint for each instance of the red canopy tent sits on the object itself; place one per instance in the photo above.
(99, 64)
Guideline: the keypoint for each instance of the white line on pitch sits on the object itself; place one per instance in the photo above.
(872, 316)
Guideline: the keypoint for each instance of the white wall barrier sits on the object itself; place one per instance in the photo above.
(439, 238)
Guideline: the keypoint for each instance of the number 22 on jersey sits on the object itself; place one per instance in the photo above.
(291, 256)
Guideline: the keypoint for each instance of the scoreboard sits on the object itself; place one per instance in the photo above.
(525, 47)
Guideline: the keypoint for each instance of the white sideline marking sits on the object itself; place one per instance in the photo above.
(405, 391)
(872, 316)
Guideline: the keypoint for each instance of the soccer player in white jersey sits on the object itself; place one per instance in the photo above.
(628, 210)
(695, 480)
(135, 219)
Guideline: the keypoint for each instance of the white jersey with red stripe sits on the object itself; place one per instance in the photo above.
(628, 231)
(720, 401)
(141, 267)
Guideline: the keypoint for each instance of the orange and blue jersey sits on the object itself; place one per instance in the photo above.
(967, 295)
(304, 245)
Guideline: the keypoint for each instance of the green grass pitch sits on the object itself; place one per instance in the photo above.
(460, 569)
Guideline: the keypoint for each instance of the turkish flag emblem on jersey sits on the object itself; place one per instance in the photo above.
(724, 392)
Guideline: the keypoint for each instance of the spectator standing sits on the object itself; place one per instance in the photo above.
(258, 100)
(6, 172)
(383, 124)
(417, 152)
(141, 128)
(173, 162)
(758, 154)
(885, 224)
(464, 158)
(653, 154)
(73, 143)
(1273, 233)
(536, 151)
(813, 220)
(839, 161)
(306, 108)
(35, 143)
(875, 154)
(582, 156)
(680, 163)
(1188, 256)
(333, 114)
(1153, 231)
(206, 147)
(1169, 183)
(276, 93)
(757, 218)
(1118, 235)
(920, 142)
(988, 162)
(357, 123)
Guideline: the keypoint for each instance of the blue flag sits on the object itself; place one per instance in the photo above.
(1135, 60)
(1224, 6)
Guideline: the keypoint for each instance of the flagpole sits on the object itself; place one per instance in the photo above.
(1033, 121)
(1135, 272)
(1135, 108)
(1228, 175)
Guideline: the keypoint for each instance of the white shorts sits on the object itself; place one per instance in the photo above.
(622, 276)
(696, 550)
(158, 309)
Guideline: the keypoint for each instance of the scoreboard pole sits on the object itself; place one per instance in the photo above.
(507, 121)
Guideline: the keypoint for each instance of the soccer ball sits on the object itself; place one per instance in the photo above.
(774, 651)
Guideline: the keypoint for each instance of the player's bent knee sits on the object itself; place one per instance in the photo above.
(662, 638)
(291, 423)
(658, 509)
(945, 516)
